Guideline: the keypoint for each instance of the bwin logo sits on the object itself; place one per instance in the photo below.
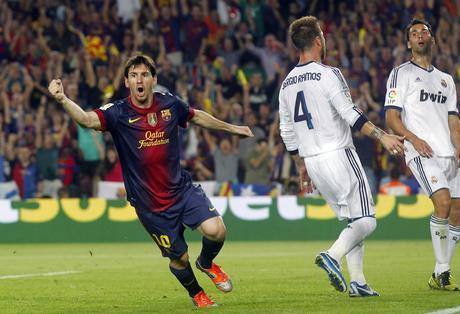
(439, 97)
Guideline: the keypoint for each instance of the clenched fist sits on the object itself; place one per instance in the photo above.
(57, 90)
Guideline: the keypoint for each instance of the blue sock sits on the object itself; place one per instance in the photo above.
(209, 252)
(187, 279)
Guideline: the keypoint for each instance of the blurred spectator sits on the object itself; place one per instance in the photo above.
(25, 173)
(395, 186)
(47, 159)
(409, 180)
(110, 169)
(195, 31)
(225, 155)
(67, 166)
(245, 145)
(92, 150)
(258, 164)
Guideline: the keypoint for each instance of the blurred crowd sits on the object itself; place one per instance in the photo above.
(227, 57)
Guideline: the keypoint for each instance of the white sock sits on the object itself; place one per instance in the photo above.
(355, 264)
(454, 238)
(353, 234)
(439, 233)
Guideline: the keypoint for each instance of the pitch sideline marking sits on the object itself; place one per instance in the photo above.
(57, 273)
(451, 310)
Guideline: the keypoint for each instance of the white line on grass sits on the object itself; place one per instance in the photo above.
(451, 310)
(57, 273)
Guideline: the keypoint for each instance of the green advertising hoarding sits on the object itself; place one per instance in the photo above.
(246, 218)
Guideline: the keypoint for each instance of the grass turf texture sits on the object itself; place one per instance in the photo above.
(275, 277)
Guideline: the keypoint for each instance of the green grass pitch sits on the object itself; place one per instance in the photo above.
(268, 277)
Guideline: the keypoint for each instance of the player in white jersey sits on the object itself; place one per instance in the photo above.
(316, 112)
(421, 104)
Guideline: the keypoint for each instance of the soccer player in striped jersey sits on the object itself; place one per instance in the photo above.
(421, 105)
(316, 112)
(145, 130)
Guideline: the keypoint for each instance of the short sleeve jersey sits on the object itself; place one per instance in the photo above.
(147, 142)
(425, 98)
(316, 110)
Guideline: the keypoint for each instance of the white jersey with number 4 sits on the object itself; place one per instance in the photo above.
(316, 110)
(425, 99)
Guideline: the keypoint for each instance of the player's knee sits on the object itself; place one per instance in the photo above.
(455, 208)
(442, 208)
(221, 233)
(367, 225)
(216, 233)
(371, 224)
(179, 263)
(442, 202)
(214, 229)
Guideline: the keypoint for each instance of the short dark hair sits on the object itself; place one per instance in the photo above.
(415, 22)
(140, 59)
(303, 31)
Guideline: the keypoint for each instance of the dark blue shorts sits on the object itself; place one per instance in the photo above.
(167, 228)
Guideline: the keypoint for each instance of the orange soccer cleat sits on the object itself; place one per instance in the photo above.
(202, 300)
(217, 275)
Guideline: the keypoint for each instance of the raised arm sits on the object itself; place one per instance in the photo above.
(207, 121)
(85, 119)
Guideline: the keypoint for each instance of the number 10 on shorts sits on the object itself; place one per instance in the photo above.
(163, 240)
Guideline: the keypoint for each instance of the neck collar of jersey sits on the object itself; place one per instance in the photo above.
(428, 70)
(301, 65)
(139, 109)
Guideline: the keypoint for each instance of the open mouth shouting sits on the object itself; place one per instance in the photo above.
(140, 91)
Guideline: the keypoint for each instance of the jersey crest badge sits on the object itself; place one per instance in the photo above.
(166, 114)
(152, 118)
(443, 83)
(434, 180)
(392, 94)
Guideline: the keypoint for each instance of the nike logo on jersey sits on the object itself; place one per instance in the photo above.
(134, 120)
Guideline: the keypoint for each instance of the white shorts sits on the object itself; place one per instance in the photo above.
(340, 178)
(437, 173)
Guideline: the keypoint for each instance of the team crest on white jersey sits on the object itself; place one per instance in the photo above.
(443, 83)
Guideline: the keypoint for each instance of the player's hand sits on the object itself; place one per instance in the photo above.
(394, 144)
(423, 148)
(305, 183)
(57, 90)
(457, 155)
(243, 131)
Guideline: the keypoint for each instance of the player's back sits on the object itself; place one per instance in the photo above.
(306, 100)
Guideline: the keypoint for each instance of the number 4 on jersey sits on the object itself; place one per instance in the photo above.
(305, 116)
